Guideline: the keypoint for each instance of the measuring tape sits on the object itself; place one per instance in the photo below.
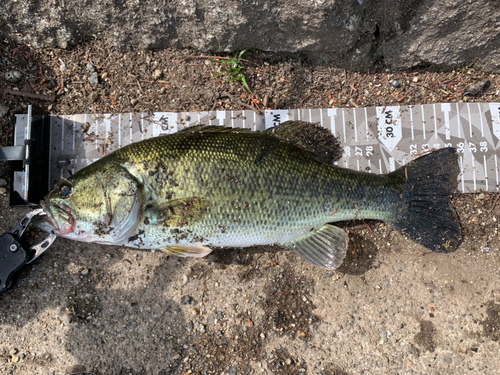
(375, 140)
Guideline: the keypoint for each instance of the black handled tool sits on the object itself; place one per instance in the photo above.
(15, 254)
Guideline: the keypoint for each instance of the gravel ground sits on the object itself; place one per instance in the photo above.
(392, 308)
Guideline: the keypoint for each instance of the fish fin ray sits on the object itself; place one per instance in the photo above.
(178, 212)
(195, 251)
(325, 247)
(214, 129)
(310, 137)
(425, 214)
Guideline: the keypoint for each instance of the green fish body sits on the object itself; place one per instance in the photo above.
(218, 187)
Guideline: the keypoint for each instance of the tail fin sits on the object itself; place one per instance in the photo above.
(425, 214)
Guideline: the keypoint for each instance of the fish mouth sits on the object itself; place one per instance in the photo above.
(49, 223)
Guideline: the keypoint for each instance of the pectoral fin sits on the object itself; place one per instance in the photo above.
(178, 212)
(325, 247)
(188, 251)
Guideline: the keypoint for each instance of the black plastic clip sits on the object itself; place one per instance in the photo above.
(15, 255)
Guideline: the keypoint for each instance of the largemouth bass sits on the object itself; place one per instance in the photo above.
(219, 187)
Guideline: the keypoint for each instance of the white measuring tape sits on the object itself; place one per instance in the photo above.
(375, 140)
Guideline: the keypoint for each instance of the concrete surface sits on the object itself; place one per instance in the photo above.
(393, 308)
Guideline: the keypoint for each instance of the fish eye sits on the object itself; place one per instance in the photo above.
(65, 191)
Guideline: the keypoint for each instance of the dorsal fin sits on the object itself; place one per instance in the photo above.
(214, 129)
(311, 137)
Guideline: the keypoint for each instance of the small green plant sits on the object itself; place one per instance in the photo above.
(233, 68)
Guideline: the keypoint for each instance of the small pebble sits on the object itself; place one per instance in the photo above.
(195, 311)
(13, 75)
(3, 182)
(134, 101)
(265, 102)
(185, 117)
(186, 300)
(85, 271)
(90, 68)
(63, 66)
(157, 74)
(94, 79)
(482, 196)
(15, 358)
(396, 84)
(336, 276)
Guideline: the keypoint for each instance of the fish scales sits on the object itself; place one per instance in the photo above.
(260, 190)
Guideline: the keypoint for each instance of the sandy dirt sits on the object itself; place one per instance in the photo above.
(392, 308)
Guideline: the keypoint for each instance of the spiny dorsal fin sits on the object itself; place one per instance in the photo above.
(214, 129)
(325, 247)
(195, 251)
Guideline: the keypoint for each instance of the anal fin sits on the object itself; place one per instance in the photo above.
(195, 251)
(325, 247)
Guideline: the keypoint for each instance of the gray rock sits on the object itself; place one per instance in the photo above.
(94, 79)
(3, 110)
(3, 182)
(355, 34)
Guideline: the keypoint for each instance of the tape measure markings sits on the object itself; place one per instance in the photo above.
(390, 135)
